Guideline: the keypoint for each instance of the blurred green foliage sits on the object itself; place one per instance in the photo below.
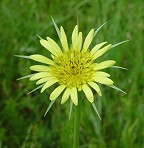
(22, 124)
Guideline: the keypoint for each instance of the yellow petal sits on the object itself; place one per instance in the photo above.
(102, 51)
(95, 87)
(42, 80)
(87, 91)
(39, 75)
(79, 88)
(48, 46)
(101, 74)
(65, 96)
(52, 56)
(97, 47)
(80, 41)
(104, 64)
(88, 40)
(54, 45)
(63, 39)
(48, 84)
(74, 95)
(41, 59)
(57, 92)
(75, 37)
(103, 80)
(40, 68)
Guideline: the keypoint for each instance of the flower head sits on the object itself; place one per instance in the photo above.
(74, 68)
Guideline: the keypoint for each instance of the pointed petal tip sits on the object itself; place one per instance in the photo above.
(31, 79)
(100, 94)
(109, 45)
(113, 61)
(42, 90)
(76, 27)
(88, 40)
(31, 67)
(75, 103)
(52, 99)
(62, 103)
(92, 31)
(61, 27)
(91, 101)
(48, 38)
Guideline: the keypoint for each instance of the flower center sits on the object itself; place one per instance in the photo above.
(73, 68)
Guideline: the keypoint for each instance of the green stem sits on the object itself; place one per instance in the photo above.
(76, 125)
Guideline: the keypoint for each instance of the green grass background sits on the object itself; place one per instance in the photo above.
(22, 124)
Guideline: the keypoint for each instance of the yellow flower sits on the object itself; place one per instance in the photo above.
(74, 68)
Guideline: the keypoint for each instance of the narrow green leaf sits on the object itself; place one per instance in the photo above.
(36, 89)
(94, 106)
(56, 27)
(25, 77)
(70, 111)
(77, 20)
(118, 89)
(21, 56)
(49, 107)
(97, 30)
(117, 44)
(39, 37)
(119, 67)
